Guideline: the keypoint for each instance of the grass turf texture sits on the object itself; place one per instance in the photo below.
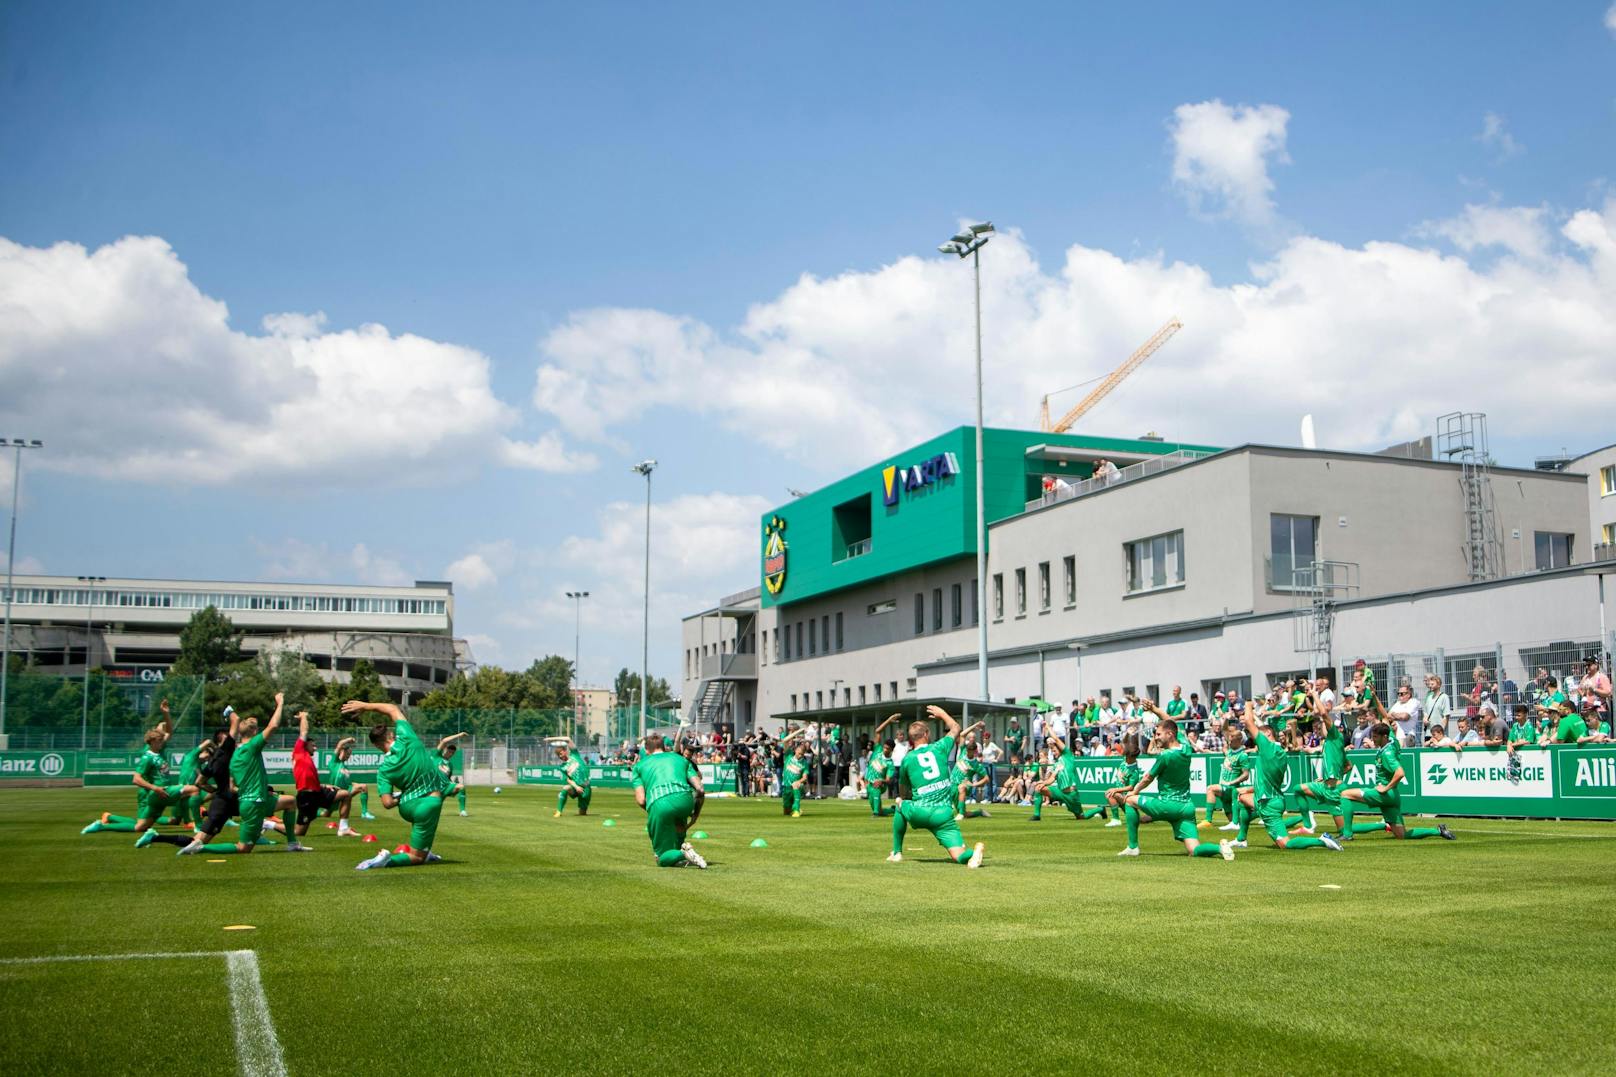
(557, 943)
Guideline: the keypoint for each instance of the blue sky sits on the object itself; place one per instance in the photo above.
(713, 227)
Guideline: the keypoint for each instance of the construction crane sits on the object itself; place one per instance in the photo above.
(1109, 382)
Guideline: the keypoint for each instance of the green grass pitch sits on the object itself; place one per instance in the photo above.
(555, 945)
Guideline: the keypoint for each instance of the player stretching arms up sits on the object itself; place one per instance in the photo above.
(793, 774)
(189, 810)
(1333, 747)
(670, 791)
(1172, 803)
(152, 797)
(926, 792)
(1236, 776)
(1385, 796)
(1269, 797)
(1128, 774)
(338, 776)
(967, 774)
(453, 766)
(254, 798)
(312, 797)
(1061, 787)
(575, 773)
(878, 769)
(408, 779)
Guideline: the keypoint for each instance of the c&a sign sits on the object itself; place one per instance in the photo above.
(895, 479)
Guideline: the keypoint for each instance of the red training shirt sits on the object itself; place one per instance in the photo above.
(304, 772)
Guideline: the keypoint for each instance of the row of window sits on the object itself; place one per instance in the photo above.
(956, 608)
(791, 643)
(1069, 587)
(224, 600)
(866, 694)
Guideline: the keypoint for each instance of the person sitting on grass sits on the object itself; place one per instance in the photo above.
(1386, 795)
(409, 780)
(153, 795)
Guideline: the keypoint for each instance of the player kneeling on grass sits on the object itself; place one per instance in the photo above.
(878, 769)
(793, 774)
(453, 767)
(338, 776)
(669, 788)
(1386, 796)
(408, 779)
(1128, 775)
(926, 792)
(968, 775)
(1061, 786)
(1172, 803)
(256, 800)
(312, 797)
(1269, 795)
(576, 776)
(1235, 777)
(154, 796)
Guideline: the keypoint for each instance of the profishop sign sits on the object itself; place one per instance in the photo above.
(896, 481)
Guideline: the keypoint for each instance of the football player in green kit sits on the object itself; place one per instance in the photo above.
(453, 766)
(1235, 776)
(1128, 775)
(1333, 749)
(1061, 787)
(1268, 790)
(1385, 797)
(926, 792)
(670, 791)
(793, 774)
(154, 794)
(968, 774)
(878, 769)
(256, 800)
(575, 772)
(1172, 803)
(338, 776)
(408, 779)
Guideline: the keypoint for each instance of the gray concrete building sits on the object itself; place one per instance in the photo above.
(1600, 468)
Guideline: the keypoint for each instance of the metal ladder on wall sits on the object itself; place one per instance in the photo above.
(709, 703)
(1462, 438)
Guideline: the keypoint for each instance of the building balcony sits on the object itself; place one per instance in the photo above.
(728, 667)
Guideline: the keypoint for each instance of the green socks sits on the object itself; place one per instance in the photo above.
(1242, 818)
(120, 823)
(1293, 820)
(402, 860)
(461, 796)
(1206, 848)
(962, 856)
(1365, 828)
(900, 827)
(1304, 843)
(1038, 806)
(1092, 812)
(364, 800)
(1421, 832)
(561, 801)
(1131, 815)
(220, 847)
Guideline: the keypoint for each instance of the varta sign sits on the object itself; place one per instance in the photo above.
(896, 480)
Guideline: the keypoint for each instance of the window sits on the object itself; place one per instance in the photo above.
(799, 639)
(813, 638)
(1553, 549)
(763, 652)
(1069, 567)
(1607, 535)
(1021, 592)
(998, 596)
(936, 609)
(1153, 693)
(976, 614)
(920, 613)
(783, 635)
(793, 701)
(840, 639)
(877, 608)
(1155, 562)
(956, 607)
(850, 529)
(1607, 481)
(878, 691)
(847, 696)
(861, 695)
(893, 685)
(1043, 585)
(824, 633)
(819, 700)
(1292, 545)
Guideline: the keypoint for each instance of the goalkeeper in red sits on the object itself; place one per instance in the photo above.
(408, 779)
(670, 791)
(1172, 803)
(926, 792)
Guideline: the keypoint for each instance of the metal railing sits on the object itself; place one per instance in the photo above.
(857, 549)
(1155, 465)
(734, 666)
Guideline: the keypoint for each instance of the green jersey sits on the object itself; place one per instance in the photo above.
(1270, 769)
(576, 772)
(1014, 740)
(189, 765)
(1067, 769)
(408, 770)
(1571, 727)
(247, 770)
(1175, 708)
(452, 766)
(1335, 752)
(337, 774)
(876, 769)
(1388, 761)
(1553, 699)
(1236, 768)
(1172, 773)
(151, 767)
(926, 771)
(1523, 731)
(795, 766)
(1129, 773)
(967, 769)
(662, 774)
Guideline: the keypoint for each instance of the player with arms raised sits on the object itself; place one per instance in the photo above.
(926, 792)
(408, 779)
(1386, 796)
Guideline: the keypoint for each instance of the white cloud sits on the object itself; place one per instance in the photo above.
(1521, 230)
(837, 372)
(1496, 137)
(121, 335)
(1221, 156)
(1610, 20)
(546, 454)
(299, 561)
(29, 566)
(482, 566)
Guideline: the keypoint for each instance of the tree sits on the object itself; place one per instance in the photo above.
(209, 642)
(548, 683)
(627, 689)
(364, 683)
(295, 675)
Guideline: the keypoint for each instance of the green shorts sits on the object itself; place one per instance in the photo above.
(666, 821)
(152, 805)
(1180, 813)
(253, 814)
(1270, 812)
(1390, 804)
(937, 818)
(1327, 791)
(422, 814)
(1072, 802)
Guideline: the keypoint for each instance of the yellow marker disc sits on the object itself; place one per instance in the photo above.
(240, 927)
(1328, 886)
(221, 860)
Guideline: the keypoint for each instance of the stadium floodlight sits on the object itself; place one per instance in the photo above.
(89, 615)
(577, 632)
(18, 445)
(969, 241)
(645, 467)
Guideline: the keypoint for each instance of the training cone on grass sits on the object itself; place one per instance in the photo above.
(608, 822)
(700, 835)
(368, 837)
(331, 826)
(759, 843)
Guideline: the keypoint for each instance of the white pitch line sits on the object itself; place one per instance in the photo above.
(258, 1052)
(1462, 829)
